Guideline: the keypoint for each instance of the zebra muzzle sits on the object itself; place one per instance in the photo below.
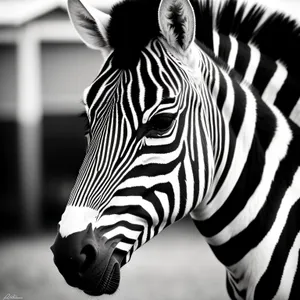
(87, 261)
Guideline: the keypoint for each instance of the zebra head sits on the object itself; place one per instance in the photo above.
(148, 160)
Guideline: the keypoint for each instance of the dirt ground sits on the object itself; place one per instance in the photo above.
(176, 265)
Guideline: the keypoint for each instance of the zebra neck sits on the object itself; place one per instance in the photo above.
(270, 78)
(241, 126)
(252, 140)
(231, 121)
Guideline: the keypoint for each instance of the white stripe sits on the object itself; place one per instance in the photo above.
(216, 41)
(124, 246)
(198, 213)
(136, 201)
(130, 102)
(108, 220)
(131, 234)
(156, 158)
(274, 154)
(125, 123)
(242, 147)
(289, 270)
(295, 114)
(200, 156)
(253, 64)
(148, 182)
(258, 259)
(163, 198)
(233, 52)
(102, 88)
(141, 88)
(275, 84)
(189, 181)
(159, 92)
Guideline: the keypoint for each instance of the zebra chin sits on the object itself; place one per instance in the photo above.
(109, 282)
(88, 261)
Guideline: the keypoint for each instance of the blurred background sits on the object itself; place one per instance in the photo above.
(44, 70)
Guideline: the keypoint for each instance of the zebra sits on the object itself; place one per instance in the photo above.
(174, 130)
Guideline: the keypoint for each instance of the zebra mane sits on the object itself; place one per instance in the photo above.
(134, 23)
(276, 35)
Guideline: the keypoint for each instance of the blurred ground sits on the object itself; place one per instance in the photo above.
(177, 264)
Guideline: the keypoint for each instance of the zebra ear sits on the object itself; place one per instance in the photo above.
(177, 24)
(90, 23)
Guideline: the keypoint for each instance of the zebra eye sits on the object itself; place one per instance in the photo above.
(161, 122)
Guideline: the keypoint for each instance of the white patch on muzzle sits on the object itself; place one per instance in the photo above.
(76, 219)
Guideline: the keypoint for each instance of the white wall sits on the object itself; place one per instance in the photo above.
(67, 68)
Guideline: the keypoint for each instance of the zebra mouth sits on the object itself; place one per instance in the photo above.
(109, 282)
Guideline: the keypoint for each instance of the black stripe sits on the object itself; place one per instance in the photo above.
(195, 164)
(247, 183)
(239, 108)
(221, 146)
(135, 91)
(123, 238)
(222, 91)
(288, 96)
(104, 75)
(235, 125)
(205, 158)
(242, 59)
(272, 276)
(183, 192)
(167, 189)
(135, 210)
(232, 141)
(236, 248)
(224, 48)
(148, 194)
(250, 176)
(151, 89)
(125, 101)
(264, 73)
(295, 292)
(134, 227)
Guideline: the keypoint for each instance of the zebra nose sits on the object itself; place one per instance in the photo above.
(75, 254)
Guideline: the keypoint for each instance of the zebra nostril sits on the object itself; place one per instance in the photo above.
(90, 253)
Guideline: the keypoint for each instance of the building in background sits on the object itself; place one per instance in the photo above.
(44, 70)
